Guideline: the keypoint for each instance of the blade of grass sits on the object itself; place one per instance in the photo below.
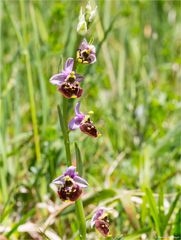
(153, 209)
(161, 208)
(95, 198)
(39, 66)
(24, 44)
(3, 172)
(137, 235)
(171, 209)
(106, 52)
(177, 229)
(144, 210)
(22, 220)
(33, 107)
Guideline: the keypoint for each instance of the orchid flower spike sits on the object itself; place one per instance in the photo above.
(83, 122)
(101, 221)
(70, 185)
(86, 53)
(68, 81)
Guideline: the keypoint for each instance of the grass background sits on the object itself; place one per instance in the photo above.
(134, 91)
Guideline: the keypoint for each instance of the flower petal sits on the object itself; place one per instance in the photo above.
(79, 78)
(76, 109)
(92, 223)
(83, 44)
(92, 48)
(69, 64)
(98, 214)
(71, 172)
(80, 181)
(57, 79)
(75, 123)
(92, 58)
(59, 180)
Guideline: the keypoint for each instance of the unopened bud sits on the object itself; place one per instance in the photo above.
(82, 25)
(90, 13)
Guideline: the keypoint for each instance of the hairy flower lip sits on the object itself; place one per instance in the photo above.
(89, 129)
(102, 227)
(71, 90)
(70, 193)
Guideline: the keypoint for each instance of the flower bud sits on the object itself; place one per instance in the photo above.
(82, 25)
(90, 13)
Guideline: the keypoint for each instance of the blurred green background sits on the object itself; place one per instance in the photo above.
(134, 91)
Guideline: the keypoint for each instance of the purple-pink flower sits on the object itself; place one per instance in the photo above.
(83, 122)
(70, 184)
(68, 81)
(100, 221)
(86, 53)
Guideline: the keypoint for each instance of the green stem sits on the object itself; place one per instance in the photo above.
(77, 43)
(67, 141)
(64, 128)
(81, 219)
(63, 118)
(78, 204)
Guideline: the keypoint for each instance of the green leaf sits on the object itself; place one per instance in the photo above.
(144, 210)
(136, 235)
(95, 198)
(161, 208)
(100, 196)
(171, 209)
(153, 209)
(22, 220)
(169, 141)
(177, 228)
(41, 26)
